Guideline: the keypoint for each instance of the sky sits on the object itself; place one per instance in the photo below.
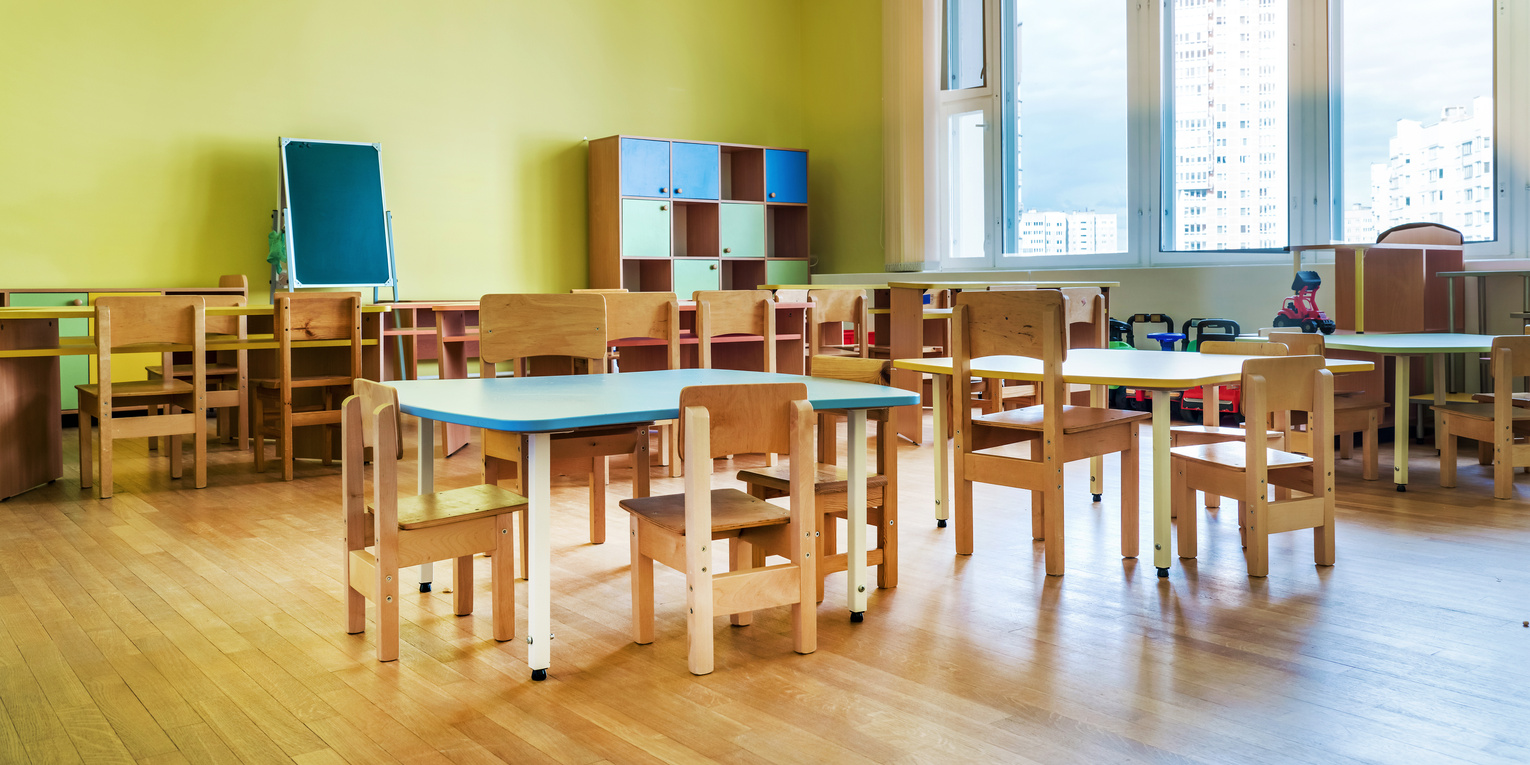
(1402, 60)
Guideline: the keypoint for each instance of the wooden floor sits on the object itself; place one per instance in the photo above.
(178, 625)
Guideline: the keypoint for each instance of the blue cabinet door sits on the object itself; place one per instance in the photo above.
(785, 176)
(696, 171)
(645, 168)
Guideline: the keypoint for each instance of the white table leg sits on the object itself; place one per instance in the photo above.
(539, 584)
(1163, 546)
(1441, 365)
(425, 457)
(1400, 412)
(940, 386)
(855, 515)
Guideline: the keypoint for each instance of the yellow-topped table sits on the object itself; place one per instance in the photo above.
(1157, 371)
(31, 451)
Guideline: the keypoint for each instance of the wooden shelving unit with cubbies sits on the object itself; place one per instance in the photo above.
(680, 216)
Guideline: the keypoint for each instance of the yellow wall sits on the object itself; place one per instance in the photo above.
(139, 141)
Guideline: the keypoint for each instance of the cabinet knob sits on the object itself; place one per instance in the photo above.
(727, 249)
(662, 189)
(679, 190)
(772, 195)
(713, 267)
(663, 207)
(76, 301)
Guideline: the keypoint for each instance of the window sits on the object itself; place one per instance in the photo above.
(964, 45)
(1215, 84)
(1407, 99)
(1064, 93)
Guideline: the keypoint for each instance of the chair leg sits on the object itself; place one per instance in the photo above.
(1323, 550)
(741, 558)
(462, 585)
(386, 588)
(1052, 517)
(1258, 539)
(1447, 453)
(176, 470)
(1038, 521)
(289, 452)
(502, 578)
(598, 500)
(524, 567)
(1368, 447)
(258, 422)
(1182, 497)
(1484, 453)
(887, 540)
(87, 458)
(104, 456)
(642, 589)
(961, 515)
(326, 458)
(1131, 513)
(199, 451)
(1503, 462)
(1346, 445)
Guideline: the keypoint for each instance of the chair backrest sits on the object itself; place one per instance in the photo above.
(745, 419)
(1088, 326)
(1420, 233)
(838, 307)
(127, 320)
(1511, 359)
(792, 296)
(304, 316)
(226, 325)
(874, 371)
(1289, 381)
(1024, 323)
(1275, 386)
(236, 280)
(1301, 343)
(373, 395)
(1229, 348)
(518, 327)
(736, 312)
(646, 315)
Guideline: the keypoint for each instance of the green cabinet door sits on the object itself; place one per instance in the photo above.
(645, 228)
(786, 272)
(743, 230)
(695, 274)
(72, 370)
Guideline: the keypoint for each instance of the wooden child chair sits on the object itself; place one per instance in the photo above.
(409, 531)
(277, 404)
(736, 312)
(1031, 324)
(1190, 435)
(650, 316)
(832, 309)
(1499, 424)
(1272, 388)
(152, 320)
(680, 530)
(552, 335)
(830, 487)
(232, 379)
(1354, 412)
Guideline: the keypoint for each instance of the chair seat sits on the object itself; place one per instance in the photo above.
(443, 507)
(184, 370)
(1481, 411)
(1075, 419)
(1215, 431)
(827, 479)
(1520, 399)
(731, 510)
(311, 381)
(1450, 398)
(1233, 455)
(1354, 405)
(138, 388)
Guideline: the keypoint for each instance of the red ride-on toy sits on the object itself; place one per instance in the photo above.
(1301, 309)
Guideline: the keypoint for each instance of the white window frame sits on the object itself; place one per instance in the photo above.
(1315, 39)
(949, 103)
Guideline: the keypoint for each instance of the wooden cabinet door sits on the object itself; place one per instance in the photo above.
(695, 274)
(645, 168)
(785, 176)
(743, 230)
(72, 370)
(786, 272)
(696, 172)
(645, 228)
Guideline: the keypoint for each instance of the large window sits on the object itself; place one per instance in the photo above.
(1416, 117)
(1225, 164)
(1063, 127)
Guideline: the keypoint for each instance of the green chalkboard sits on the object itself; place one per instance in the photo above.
(335, 217)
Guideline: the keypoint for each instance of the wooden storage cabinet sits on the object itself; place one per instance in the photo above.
(687, 215)
(72, 370)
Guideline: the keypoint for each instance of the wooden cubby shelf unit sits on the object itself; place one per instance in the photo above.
(679, 216)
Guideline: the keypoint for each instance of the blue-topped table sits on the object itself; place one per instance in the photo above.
(540, 406)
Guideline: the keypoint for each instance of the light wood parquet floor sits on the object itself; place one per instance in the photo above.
(175, 625)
